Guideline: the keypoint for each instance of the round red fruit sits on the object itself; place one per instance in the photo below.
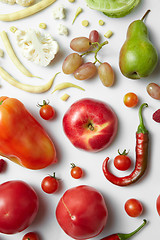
(130, 99)
(133, 207)
(90, 124)
(18, 206)
(76, 172)
(50, 184)
(82, 212)
(46, 111)
(158, 205)
(30, 236)
(122, 162)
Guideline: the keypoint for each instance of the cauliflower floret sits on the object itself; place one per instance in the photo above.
(24, 3)
(9, 1)
(36, 47)
(62, 30)
(59, 12)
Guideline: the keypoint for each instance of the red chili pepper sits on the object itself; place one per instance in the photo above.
(122, 236)
(22, 139)
(142, 140)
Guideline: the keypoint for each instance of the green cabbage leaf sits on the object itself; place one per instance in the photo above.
(113, 8)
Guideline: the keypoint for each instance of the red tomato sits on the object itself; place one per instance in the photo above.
(50, 184)
(158, 205)
(122, 162)
(46, 111)
(76, 172)
(82, 212)
(18, 206)
(31, 236)
(130, 99)
(133, 207)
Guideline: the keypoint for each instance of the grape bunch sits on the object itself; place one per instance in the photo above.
(74, 62)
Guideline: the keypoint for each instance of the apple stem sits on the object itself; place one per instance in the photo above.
(144, 16)
(90, 126)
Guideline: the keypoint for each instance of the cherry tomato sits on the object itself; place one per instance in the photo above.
(30, 236)
(122, 162)
(2, 165)
(50, 184)
(130, 99)
(133, 207)
(46, 111)
(158, 205)
(76, 172)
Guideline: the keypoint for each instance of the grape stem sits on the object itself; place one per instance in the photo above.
(97, 47)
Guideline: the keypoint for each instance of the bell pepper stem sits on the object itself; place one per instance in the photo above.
(127, 236)
(141, 127)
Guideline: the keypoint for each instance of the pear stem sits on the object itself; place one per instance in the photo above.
(144, 16)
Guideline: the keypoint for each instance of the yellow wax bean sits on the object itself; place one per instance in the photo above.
(26, 87)
(66, 85)
(13, 29)
(27, 11)
(65, 97)
(85, 23)
(101, 22)
(108, 34)
(79, 10)
(43, 25)
(13, 56)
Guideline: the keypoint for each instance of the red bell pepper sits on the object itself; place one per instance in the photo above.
(22, 139)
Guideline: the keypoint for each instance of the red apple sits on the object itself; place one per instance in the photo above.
(82, 212)
(90, 124)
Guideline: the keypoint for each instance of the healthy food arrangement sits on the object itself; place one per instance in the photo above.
(76, 79)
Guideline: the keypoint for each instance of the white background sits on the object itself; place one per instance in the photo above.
(145, 190)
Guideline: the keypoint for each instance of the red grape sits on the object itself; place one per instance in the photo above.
(80, 44)
(85, 71)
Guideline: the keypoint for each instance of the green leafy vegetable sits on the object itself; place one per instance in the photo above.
(113, 8)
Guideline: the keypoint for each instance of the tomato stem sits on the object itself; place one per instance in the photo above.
(44, 103)
(123, 153)
(73, 165)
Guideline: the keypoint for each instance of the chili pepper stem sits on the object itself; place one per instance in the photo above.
(141, 127)
(127, 236)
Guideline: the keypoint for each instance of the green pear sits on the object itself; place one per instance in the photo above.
(138, 57)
